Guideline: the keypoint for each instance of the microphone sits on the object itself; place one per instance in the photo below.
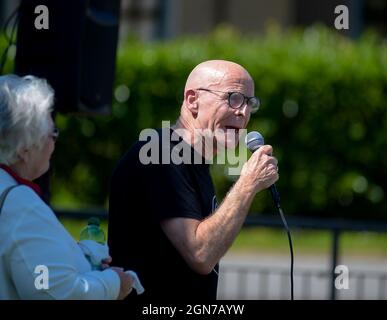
(254, 140)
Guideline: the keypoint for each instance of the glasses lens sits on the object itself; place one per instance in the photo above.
(55, 133)
(254, 104)
(236, 99)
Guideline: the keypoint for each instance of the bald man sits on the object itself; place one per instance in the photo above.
(164, 222)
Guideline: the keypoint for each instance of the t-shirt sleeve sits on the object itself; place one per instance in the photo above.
(170, 192)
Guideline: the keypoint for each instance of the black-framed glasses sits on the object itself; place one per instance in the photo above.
(237, 99)
(55, 134)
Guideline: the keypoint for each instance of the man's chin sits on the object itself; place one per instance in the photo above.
(226, 144)
(232, 144)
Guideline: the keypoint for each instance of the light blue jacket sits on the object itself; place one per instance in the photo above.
(34, 244)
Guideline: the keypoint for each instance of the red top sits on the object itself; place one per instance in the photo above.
(20, 180)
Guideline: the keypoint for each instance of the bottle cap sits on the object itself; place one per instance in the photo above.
(94, 221)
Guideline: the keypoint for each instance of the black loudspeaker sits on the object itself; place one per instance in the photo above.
(76, 54)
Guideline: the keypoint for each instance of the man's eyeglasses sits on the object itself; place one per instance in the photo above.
(55, 134)
(237, 99)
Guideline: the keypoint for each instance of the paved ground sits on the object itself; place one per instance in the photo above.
(241, 277)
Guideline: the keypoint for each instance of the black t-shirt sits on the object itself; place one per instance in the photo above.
(140, 197)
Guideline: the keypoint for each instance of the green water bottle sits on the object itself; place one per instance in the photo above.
(93, 231)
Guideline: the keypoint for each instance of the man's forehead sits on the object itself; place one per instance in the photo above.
(237, 83)
(218, 73)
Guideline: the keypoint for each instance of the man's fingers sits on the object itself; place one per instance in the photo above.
(268, 161)
(262, 152)
(268, 158)
(266, 149)
(273, 168)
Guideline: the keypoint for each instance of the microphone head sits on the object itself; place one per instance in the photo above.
(254, 140)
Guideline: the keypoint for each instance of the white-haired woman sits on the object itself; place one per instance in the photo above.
(38, 257)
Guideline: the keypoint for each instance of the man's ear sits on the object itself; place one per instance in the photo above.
(191, 101)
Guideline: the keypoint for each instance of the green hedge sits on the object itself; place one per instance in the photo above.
(323, 109)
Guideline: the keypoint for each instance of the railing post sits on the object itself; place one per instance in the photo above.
(334, 260)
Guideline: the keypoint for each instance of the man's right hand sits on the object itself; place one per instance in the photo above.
(126, 281)
(260, 171)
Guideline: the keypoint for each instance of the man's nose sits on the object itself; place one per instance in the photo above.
(243, 110)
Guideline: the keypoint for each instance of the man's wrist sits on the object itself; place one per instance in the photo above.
(245, 186)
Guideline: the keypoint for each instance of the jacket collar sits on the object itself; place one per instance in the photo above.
(21, 180)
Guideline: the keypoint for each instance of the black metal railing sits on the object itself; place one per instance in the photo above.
(239, 282)
(335, 226)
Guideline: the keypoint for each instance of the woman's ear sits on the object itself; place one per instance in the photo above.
(24, 155)
(191, 102)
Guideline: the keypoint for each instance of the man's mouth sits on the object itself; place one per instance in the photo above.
(232, 128)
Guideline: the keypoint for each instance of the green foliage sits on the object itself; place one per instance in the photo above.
(260, 239)
(323, 109)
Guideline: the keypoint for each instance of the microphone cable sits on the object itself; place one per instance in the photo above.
(281, 213)
(254, 140)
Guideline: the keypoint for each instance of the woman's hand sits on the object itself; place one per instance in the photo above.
(126, 282)
(105, 263)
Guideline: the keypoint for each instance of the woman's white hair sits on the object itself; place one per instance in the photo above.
(25, 107)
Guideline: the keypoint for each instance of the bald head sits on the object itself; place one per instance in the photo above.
(213, 72)
(207, 100)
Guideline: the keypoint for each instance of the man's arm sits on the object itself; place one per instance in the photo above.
(203, 243)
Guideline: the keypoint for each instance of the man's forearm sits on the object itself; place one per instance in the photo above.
(216, 234)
